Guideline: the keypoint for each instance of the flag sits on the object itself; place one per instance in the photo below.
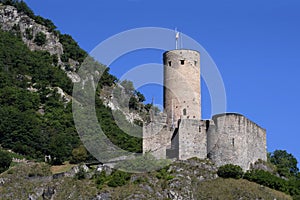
(177, 35)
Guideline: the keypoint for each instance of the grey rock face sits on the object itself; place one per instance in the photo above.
(9, 18)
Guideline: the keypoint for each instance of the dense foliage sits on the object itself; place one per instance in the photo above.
(35, 119)
(5, 160)
(29, 132)
(22, 128)
(285, 176)
(265, 178)
(71, 49)
(285, 162)
(115, 179)
(116, 135)
(40, 39)
(230, 171)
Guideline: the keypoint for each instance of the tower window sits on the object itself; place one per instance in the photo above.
(182, 62)
(233, 142)
(195, 62)
(170, 63)
(184, 111)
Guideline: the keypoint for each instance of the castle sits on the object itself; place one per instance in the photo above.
(180, 133)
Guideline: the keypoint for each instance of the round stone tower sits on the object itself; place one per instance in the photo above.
(182, 97)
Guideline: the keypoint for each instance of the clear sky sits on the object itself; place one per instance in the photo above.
(255, 45)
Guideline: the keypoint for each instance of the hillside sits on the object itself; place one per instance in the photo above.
(38, 67)
(192, 179)
(37, 70)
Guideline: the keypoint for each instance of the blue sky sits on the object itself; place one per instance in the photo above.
(255, 45)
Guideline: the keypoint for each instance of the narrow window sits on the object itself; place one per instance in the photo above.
(182, 62)
(184, 111)
(195, 62)
(233, 142)
(170, 63)
(199, 129)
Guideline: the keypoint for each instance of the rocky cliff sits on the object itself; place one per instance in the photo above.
(11, 19)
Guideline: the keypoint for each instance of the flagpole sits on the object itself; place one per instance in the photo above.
(176, 38)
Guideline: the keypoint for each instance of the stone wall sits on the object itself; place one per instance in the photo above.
(232, 138)
(156, 137)
(192, 139)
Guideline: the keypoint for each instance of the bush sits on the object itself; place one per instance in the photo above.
(164, 174)
(230, 171)
(40, 39)
(28, 33)
(79, 154)
(119, 178)
(101, 178)
(81, 174)
(267, 179)
(5, 161)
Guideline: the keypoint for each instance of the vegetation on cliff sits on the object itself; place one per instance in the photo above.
(35, 119)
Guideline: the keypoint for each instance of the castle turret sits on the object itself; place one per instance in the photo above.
(182, 97)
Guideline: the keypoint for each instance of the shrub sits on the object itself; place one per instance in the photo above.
(28, 33)
(230, 171)
(79, 154)
(119, 178)
(164, 174)
(267, 179)
(101, 178)
(40, 39)
(81, 174)
(5, 161)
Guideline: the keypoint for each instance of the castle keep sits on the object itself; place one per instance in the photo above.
(180, 132)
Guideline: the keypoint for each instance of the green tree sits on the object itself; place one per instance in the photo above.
(71, 49)
(285, 162)
(79, 154)
(140, 96)
(5, 161)
(128, 86)
(40, 38)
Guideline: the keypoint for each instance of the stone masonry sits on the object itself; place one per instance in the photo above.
(180, 133)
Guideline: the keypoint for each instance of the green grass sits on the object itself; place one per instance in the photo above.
(235, 189)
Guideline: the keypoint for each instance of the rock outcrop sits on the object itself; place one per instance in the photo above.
(10, 19)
